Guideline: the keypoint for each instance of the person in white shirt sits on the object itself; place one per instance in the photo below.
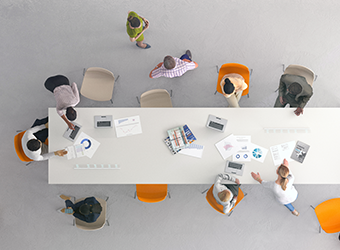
(283, 188)
(226, 194)
(66, 96)
(33, 147)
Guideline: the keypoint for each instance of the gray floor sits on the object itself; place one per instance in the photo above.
(44, 38)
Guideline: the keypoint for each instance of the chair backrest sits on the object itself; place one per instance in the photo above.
(99, 223)
(328, 214)
(230, 68)
(18, 147)
(301, 71)
(151, 192)
(155, 98)
(218, 207)
(98, 84)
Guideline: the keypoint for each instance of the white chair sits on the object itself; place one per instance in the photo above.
(98, 84)
(155, 98)
(301, 71)
(99, 223)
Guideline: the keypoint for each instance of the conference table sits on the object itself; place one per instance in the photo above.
(144, 158)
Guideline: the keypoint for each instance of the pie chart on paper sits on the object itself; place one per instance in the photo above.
(257, 153)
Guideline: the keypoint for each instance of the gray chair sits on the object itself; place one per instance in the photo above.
(156, 98)
(98, 84)
(99, 223)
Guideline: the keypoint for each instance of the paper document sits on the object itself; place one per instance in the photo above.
(193, 149)
(282, 151)
(257, 152)
(243, 154)
(75, 151)
(228, 146)
(128, 126)
(90, 144)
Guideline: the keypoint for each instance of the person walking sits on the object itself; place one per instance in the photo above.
(283, 188)
(135, 29)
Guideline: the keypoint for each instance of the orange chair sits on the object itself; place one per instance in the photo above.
(230, 68)
(151, 192)
(328, 214)
(218, 207)
(19, 149)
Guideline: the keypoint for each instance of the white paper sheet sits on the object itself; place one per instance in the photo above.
(194, 150)
(75, 151)
(282, 151)
(228, 146)
(91, 145)
(128, 126)
(257, 152)
(243, 154)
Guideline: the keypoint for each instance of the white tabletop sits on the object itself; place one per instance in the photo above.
(144, 158)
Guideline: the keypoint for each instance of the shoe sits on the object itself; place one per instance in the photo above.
(59, 210)
(64, 197)
(188, 52)
(147, 46)
(296, 213)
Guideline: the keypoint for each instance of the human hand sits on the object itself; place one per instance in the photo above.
(237, 181)
(256, 176)
(147, 23)
(70, 125)
(60, 152)
(298, 111)
(285, 162)
(46, 124)
(281, 100)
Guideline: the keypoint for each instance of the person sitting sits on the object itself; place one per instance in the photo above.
(295, 91)
(226, 194)
(66, 96)
(33, 142)
(232, 87)
(174, 67)
(87, 210)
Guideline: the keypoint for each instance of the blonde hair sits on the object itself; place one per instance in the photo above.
(224, 195)
(283, 172)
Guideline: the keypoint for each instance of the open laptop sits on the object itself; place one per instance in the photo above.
(72, 134)
(234, 168)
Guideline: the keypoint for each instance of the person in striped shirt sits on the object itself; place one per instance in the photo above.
(174, 67)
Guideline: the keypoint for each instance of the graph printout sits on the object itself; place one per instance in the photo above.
(228, 146)
(128, 126)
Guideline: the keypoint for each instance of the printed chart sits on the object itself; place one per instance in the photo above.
(128, 126)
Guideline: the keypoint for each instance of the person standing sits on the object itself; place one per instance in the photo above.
(66, 96)
(283, 188)
(135, 29)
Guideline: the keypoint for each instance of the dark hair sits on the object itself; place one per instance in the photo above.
(71, 114)
(228, 87)
(134, 21)
(33, 144)
(86, 209)
(169, 62)
(295, 88)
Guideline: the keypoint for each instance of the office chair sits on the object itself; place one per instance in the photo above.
(156, 98)
(99, 223)
(98, 84)
(301, 71)
(229, 68)
(328, 214)
(218, 207)
(151, 193)
(19, 150)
